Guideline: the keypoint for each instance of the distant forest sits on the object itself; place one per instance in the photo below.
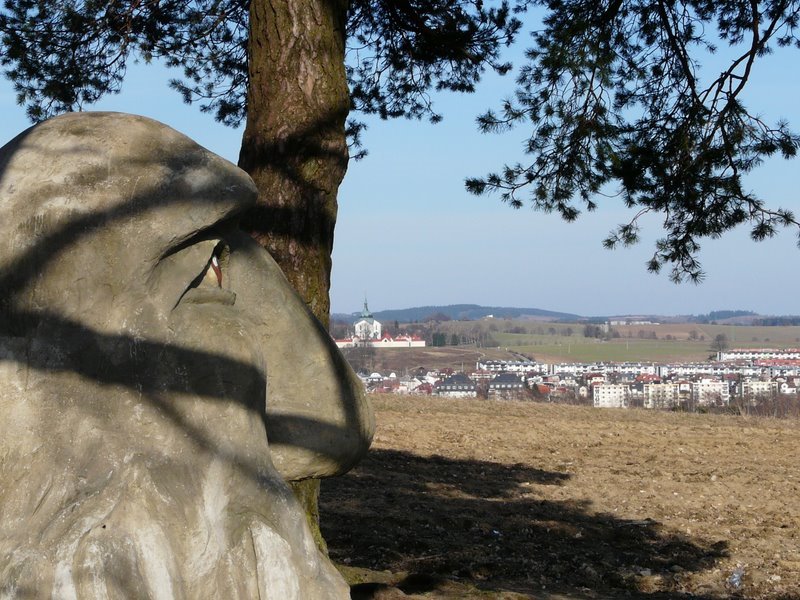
(778, 321)
(473, 312)
(721, 315)
(758, 320)
(461, 312)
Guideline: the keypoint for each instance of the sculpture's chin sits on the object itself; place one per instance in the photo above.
(127, 495)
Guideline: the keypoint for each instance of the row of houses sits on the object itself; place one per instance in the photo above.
(602, 393)
(510, 366)
(703, 392)
(500, 385)
(759, 354)
(448, 384)
(609, 385)
(745, 368)
(677, 387)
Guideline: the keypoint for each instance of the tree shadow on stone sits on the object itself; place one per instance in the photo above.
(88, 352)
(192, 379)
(483, 523)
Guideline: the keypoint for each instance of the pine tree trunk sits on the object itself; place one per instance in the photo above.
(295, 148)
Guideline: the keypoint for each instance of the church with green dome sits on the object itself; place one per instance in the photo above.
(366, 327)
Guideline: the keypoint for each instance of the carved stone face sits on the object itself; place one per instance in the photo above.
(108, 225)
(147, 339)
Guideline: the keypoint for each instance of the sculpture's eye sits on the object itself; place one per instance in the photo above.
(213, 274)
(213, 271)
(197, 273)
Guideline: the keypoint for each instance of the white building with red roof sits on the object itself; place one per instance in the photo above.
(368, 332)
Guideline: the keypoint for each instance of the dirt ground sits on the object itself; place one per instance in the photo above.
(503, 500)
(402, 360)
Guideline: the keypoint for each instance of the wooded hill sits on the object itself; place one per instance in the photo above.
(461, 312)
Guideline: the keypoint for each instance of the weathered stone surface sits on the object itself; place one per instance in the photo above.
(150, 413)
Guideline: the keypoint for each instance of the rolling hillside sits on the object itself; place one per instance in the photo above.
(463, 312)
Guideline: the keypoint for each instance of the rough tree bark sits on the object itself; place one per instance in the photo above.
(295, 148)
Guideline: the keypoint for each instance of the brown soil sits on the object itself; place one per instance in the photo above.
(461, 358)
(501, 500)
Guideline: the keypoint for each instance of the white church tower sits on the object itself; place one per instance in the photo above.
(366, 327)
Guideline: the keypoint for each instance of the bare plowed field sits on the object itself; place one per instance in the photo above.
(502, 500)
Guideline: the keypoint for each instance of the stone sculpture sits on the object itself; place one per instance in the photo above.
(159, 378)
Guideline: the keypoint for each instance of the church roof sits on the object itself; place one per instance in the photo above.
(365, 314)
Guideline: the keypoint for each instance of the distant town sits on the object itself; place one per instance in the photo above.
(733, 378)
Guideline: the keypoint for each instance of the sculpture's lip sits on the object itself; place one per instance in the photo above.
(208, 295)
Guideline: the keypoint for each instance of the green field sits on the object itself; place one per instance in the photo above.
(673, 342)
(618, 351)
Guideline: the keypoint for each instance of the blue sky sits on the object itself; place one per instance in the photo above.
(408, 233)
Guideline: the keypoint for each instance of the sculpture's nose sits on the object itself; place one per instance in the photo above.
(319, 422)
